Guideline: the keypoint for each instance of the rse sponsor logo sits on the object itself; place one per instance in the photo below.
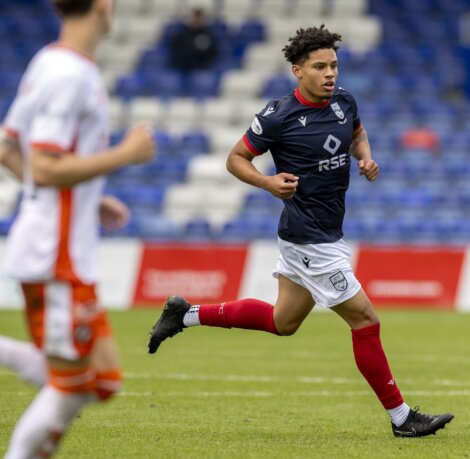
(333, 163)
(339, 281)
(256, 126)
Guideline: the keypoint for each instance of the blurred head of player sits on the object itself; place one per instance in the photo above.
(97, 13)
(312, 53)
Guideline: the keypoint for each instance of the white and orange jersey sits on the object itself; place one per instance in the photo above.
(61, 106)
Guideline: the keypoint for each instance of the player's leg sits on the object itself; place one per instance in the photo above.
(105, 362)
(292, 306)
(71, 384)
(178, 314)
(27, 359)
(360, 315)
(372, 362)
(72, 337)
(23, 358)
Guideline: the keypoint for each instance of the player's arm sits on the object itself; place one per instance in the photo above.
(240, 164)
(360, 149)
(59, 169)
(11, 155)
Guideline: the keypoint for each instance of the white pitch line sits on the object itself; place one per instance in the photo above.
(268, 394)
(279, 379)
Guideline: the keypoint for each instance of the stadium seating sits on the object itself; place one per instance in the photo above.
(395, 59)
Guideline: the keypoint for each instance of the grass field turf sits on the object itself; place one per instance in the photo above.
(212, 393)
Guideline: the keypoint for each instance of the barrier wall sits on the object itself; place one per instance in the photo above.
(136, 273)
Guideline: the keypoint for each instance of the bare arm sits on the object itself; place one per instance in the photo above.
(240, 164)
(51, 168)
(11, 155)
(360, 149)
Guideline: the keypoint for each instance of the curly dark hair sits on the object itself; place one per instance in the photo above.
(72, 7)
(307, 40)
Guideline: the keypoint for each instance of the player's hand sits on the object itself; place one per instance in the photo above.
(139, 144)
(114, 214)
(282, 185)
(368, 168)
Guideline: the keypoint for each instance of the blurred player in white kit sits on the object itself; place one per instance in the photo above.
(55, 139)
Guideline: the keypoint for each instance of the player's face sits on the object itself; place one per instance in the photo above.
(318, 74)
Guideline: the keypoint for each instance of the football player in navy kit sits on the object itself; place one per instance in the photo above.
(312, 134)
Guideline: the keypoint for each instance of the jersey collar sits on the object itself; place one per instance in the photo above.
(77, 53)
(304, 101)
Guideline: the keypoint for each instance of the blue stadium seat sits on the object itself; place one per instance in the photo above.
(130, 86)
(154, 226)
(198, 230)
(252, 30)
(5, 225)
(153, 59)
(261, 203)
(193, 143)
(277, 86)
(203, 84)
(165, 170)
(166, 144)
(142, 197)
(239, 230)
(163, 83)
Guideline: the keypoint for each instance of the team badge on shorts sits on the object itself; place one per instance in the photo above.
(339, 281)
(83, 334)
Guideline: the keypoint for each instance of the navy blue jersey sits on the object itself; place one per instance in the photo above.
(312, 142)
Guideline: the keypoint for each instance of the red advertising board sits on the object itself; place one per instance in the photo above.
(202, 273)
(410, 276)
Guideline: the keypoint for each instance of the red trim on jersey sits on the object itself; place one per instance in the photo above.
(74, 51)
(309, 103)
(251, 147)
(49, 147)
(64, 266)
(13, 133)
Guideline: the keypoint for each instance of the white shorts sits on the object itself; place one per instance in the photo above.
(323, 269)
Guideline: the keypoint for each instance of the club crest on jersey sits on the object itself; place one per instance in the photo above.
(337, 109)
(256, 126)
(339, 281)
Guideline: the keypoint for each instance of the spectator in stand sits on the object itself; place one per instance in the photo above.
(194, 46)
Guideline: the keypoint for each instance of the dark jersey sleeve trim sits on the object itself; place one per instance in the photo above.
(251, 147)
(359, 125)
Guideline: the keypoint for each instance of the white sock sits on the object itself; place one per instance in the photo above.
(39, 430)
(399, 414)
(191, 318)
(23, 358)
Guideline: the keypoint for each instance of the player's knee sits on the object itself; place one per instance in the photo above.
(287, 329)
(108, 384)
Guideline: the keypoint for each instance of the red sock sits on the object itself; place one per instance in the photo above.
(372, 363)
(249, 314)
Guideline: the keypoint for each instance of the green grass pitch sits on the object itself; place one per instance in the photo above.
(212, 393)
